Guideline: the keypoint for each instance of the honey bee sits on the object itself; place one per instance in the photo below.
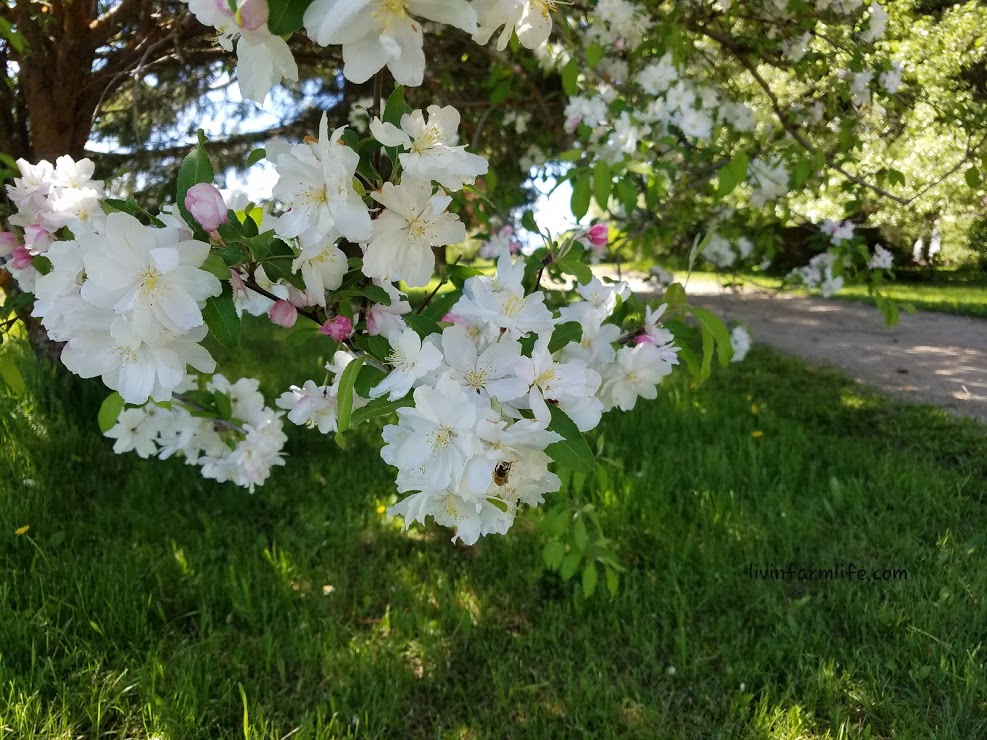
(501, 473)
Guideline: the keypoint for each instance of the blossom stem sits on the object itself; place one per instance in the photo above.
(217, 422)
(252, 284)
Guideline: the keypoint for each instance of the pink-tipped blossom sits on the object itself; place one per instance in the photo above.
(206, 204)
(283, 314)
(339, 328)
(253, 14)
(297, 298)
(643, 339)
(21, 259)
(37, 238)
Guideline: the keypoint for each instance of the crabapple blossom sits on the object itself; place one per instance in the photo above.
(375, 33)
(413, 221)
(283, 313)
(433, 153)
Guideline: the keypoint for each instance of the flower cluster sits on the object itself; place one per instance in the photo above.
(242, 449)
(470, 448)
(126, 298)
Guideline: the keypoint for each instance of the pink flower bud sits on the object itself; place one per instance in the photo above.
(37, 238)
(598, 235)
(643, 339)
(253, 14)
(283, 314)
(451, 318)
(296, 298)
(21, 259)
(339, 328)
(206, 204)
(8, 242)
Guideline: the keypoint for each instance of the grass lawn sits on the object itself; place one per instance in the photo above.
(963, 297)
(147, 602)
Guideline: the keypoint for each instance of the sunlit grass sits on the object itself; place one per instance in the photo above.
(144, 601)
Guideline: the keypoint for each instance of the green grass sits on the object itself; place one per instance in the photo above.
(956, 298)
(963, 297)
(146, 602)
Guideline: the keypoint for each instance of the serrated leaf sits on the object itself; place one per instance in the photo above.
(220, 316)
(590, 578)
(344, 397)
(569, 331)
(109, 412)
(573, 451)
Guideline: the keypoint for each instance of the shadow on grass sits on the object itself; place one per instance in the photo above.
(145, 601)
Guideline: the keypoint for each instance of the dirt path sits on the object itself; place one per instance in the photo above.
(928, 357)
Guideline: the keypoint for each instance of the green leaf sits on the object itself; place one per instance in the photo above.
(256, 156)
(376, 294)
(590, 578)
(378, 407)
(422, 324)
(570, 564)
(602, 183)
(396, 106)
(216, 265)
(344, 397)
(569, 331)
(594, 54)
(572, 264)
(369, 378)
(570, 78)
(223, 405)
(285, 16)
(895, 177)
(580, 195)
(613, 583)
(11, 375)
(573, 451)
(132, 208)
(719, 332)
(579, 535)
(109, 412)
(195, 168)
(552, 554)
(220, 316)
(972, 177)
(732, 174)
(528, 222)
(802, 172)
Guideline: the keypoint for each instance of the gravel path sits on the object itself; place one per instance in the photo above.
(927, 357)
